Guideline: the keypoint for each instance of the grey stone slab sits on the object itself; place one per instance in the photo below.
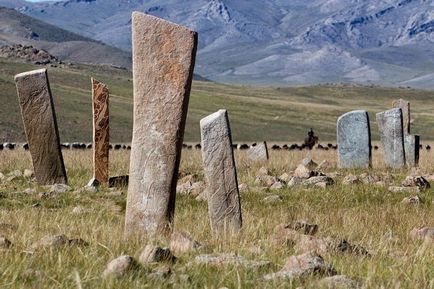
(220, 173)
(258, 152)
(390, 127)
(354, 140)
(39, 118)
(163, 63)
(411, 148)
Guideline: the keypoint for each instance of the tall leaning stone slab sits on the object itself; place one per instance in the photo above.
(163, 63)
(101, 136)
(39, 118)
(392, 137)
(220, 173)
(354, 140)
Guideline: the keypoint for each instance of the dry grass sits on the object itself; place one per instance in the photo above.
(362, 214)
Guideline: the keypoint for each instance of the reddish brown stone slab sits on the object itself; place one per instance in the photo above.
(100, 103)
(163, 62)
(40, 125)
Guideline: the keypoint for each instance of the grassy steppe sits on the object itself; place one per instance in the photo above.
(366, 215)
(256, 113)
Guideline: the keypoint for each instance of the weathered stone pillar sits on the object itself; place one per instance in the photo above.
(220, 173)
(101, 138)
(258, 152)
(411, 142)
(163, 63)
(392, 137)
(40, 125)
(354, 140)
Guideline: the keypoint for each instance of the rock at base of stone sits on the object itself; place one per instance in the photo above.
(354, 140)
(220, 173)
(392, 137)
(39, 118)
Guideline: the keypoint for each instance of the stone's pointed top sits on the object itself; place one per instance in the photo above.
(96, 82)
(210, 118)
(139, 16)
(351, 113)
(32, 72)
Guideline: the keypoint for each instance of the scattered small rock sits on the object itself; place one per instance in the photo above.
(181, 243)
(415, 200)
(350, 180)
(302, 266)
(409, 190)
(28, 173)
(302, 172)
(59, 188)
(320, 181)
(345, 247)
(29, 191)
(285, 177)
(243, 188)
(50, 241)
(277, 186)
(423, 233)
(161, 272)
(265, 180)
(303, 227)
(155, 254)
(119, 266)
(263, 171)
(416, 181)
(82, 210)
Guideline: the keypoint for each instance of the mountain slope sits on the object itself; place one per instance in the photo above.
(17, 28)
(275, 41)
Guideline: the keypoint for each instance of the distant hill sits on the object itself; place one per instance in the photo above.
(17, 28)
(387, 42)
(256, 113)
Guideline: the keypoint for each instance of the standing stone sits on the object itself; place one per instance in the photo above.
(354, 140)
(39, 118)
(220, 172)
(100, 104)
(411, 148)
(258, 152)
(163, 63)
(405, 109)
(411, 142)
(392, 137)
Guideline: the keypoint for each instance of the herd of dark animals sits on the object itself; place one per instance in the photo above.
(310, 142)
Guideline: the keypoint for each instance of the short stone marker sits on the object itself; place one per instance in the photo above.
(258, 152)
(163, 63)
(220, 173)
(40, 125)
(354, 140)
(411, 148)
(392, 137)
(100, 105)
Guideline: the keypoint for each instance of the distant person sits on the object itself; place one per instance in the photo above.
(311, 139)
